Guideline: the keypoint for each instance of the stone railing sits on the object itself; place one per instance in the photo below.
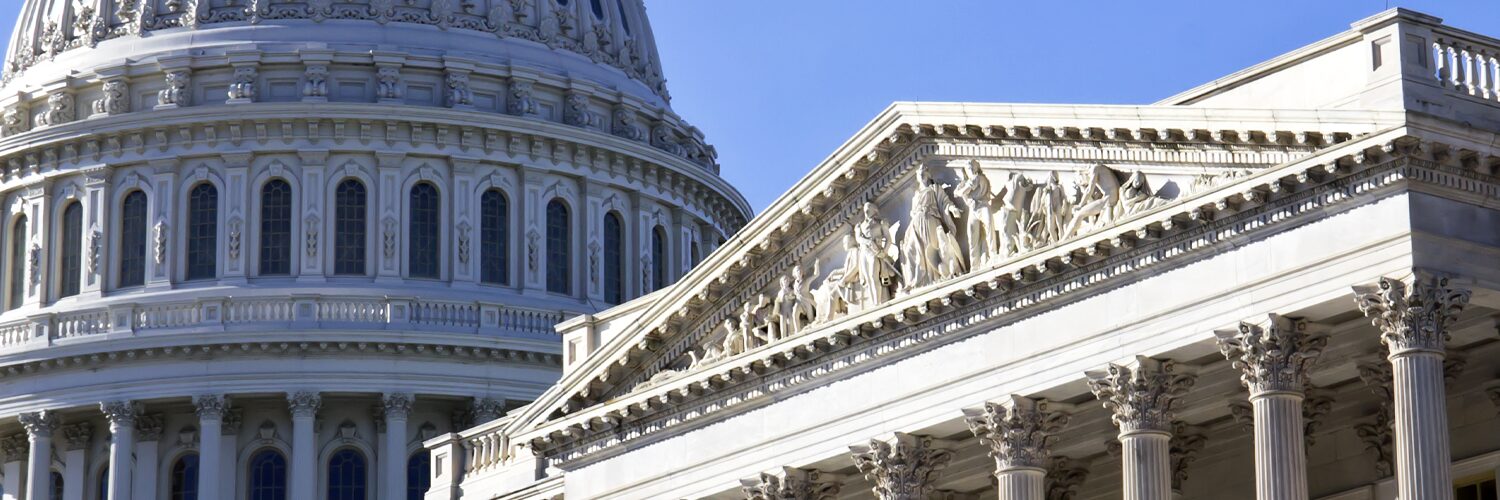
(1467, 65)
(299, 313)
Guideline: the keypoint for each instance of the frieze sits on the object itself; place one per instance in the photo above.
(899, 331)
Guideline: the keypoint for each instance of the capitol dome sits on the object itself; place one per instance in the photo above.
(267, 247)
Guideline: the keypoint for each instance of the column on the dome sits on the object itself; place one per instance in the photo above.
(903, 464)
(75, 457)
(1274, 360)
(304, 408)
(38, 203)
(1413, 320)
(210, 410)
(1140, 398)
(164, 226)
(1018, 431)
(95, 232)
(397, 410)
(464, 240)
(387, 195)
(122, 416)
(314, 241)
(14, 449)
(235, 236)
(147, 443)
(39, 426)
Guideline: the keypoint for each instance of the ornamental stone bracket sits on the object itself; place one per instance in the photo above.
(904, 467)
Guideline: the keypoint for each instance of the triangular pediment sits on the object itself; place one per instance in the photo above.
(927, 194)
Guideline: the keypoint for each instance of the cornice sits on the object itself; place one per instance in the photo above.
(1269, 201)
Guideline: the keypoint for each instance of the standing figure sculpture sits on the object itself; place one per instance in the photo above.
(974, 193)
(1011, 218)
(1098, 200)
(804, 310)
(930, 250)
(1049, 210)
(782, 323)
(841, 288)
(876, 273)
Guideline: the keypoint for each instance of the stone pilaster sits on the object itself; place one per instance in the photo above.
(902, 468)
(1274, 360)
(791, 484)
(303, 406)
(1141, 398)
(1413, 321)
(122, 418)
(1017, 432)
(39, 427)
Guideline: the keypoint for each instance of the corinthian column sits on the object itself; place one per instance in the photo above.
(1413, 322)
(1018, 431)
(304, 408)
(1273, 361)
(121, 416)
(210, 408)
(397, 409)
(39, 427)
(904, 468)
(1140, 399)
(791, 484)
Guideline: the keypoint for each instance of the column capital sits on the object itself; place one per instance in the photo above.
(791, 484)
(1141, 397)
(14, 447)
(1017, 430)
(397, 405)
(1273, 358)
(304, 403)
(148, 427)
(211, 406)
(77, 436)
(903, 467)
(1412, 317)
(40, 423)
(122, 413)
(486, 409)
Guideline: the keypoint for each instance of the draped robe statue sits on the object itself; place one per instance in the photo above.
(930, 249)
(974, 193)
(876, 271)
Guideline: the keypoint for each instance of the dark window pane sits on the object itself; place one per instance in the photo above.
(559, 249)
(424, 231)
(346, 475)
(658, 258)
(18, 263)
(598, 7)
(267, 476)
(624, 18)
(349, 228)
(614, 258)
(57, 486)
(133, 230)
(103, 485)
(185, 478)
(72, 250)
(494, 238)
(418, 475)
(276, 228)
(202, 232)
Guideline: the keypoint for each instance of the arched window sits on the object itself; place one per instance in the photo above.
(658, 258)
(71, 271)
(598, 7)
(494, 238)
(559, 248)
(102, 484)
(346, 475)
(349, 228)
(202, 232)
(184, 478)
(17, 278)
(57, 486)
(267, 476)
(133, 239)
(276, 228)
(614, 258)
(418, 475)
(424, 231)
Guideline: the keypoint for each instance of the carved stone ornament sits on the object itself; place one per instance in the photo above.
(904, 468)
(242, 89)
(1412, 318)
(14, 447)
(1064, 477)
(311, 234)
(315, 81)
(159, 241)
(1186, 442)
(210, 406)
(148, 427)
(1017, 431)
(96, 243)
(388, 239)
(120, 412)
(520, 102)
(397, 405)
(34, 265)
(77, 436)
(59, 109)
(626, 125)
(176, 92)
(1272, 358)
(486, 409)
(390, 82)
(532, 240)
(459, 95)
(15, 121)
(1140, 397)
(304, 404)
(790, 484)
(1377, 433)
(40, 424)
(116, 98)
(463, 242)
(576, 111)
(233, 246)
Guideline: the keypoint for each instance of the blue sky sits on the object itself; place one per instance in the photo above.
(778, 84)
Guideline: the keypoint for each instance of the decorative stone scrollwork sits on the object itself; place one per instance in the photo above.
(120, 412)
(1413, 317)
(388, 239)
(1018, 431)
(233, 246)
(532, 240)
(1064, 477)
(390, 83)
(59, 109)
(34, 265)
(1142, 397)
(664, 139)
(1378, 435)
(210, 406)
(243, 87)
(397, 405)
(40, 423)
(96, 243)
(159, 241)
(176, 93)
(594, 262)
(626, 125)
(1186, 442)
(116, 98)
(15, 121)
(521, 102)
(904, 468)
(463, 242)
(790, 484)
(1273, 358)
(486, 409)
(459, 95)
(576, 111)
(13, 447)
(315, 81)
(148, 427)
(304, 403)
(311, 234)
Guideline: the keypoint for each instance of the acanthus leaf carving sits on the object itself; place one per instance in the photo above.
(1412, 317)
(1272, 358)
(791, 484)
(1018, 431)
(903, 468)
(1140, 397)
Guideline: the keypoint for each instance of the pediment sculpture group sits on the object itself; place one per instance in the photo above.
(950, 230)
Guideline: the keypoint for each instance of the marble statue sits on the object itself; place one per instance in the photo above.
(875, 272)
(974, 193)
(930, 250)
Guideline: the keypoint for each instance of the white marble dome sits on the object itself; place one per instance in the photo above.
(237, 230)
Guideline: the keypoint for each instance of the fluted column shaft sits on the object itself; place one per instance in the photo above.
(39, 428)
(397, 408)
(1421, 437)
(1022, 484)
(1280, 450)
(210, 409)
(304, 408)
(1146, 461)
(121, 415)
